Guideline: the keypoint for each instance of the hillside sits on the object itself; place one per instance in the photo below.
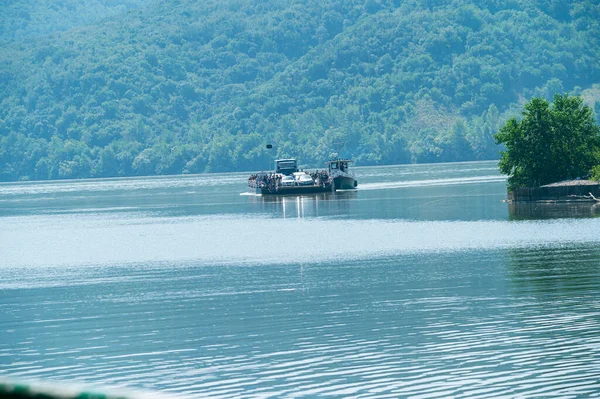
(21, 19)
(181, 87)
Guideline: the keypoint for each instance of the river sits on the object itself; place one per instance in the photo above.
(422, 283)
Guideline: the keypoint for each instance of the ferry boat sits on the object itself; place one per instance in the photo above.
(288, 179)
(343, 179)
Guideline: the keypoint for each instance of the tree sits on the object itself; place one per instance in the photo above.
(552, 142)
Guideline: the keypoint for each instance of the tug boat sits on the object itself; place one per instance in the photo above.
(288, 179)
(343, 179)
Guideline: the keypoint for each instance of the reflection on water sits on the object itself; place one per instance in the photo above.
(306, 206)
(552, 210)
(569, 271)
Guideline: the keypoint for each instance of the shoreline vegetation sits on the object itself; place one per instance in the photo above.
(553, 152)
(115, 88)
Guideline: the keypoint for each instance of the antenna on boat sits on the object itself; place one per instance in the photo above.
(339, 145)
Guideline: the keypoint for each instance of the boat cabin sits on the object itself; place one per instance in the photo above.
(339, 165)
(286, 166)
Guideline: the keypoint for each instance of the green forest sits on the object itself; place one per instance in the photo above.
(102, 88)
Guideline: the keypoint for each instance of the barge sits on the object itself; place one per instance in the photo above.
(287, 179)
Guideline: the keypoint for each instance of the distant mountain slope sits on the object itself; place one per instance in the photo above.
(22, 19)
(185, 86)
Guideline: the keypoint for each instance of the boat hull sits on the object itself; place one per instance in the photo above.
(294, 190)
(345, 183)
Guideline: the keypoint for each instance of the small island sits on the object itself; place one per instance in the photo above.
(553, 152)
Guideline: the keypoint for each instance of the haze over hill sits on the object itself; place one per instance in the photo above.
(179, 86)
(29, 19)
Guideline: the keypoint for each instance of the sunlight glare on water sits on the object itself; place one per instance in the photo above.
(91, 239)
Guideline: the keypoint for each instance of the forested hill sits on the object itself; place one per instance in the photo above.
(25, 19)
(182, 86)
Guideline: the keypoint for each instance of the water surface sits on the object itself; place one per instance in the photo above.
(421, 283)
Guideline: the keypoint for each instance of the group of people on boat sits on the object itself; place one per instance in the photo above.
(321, 178)
(269, 180)
(272, 181)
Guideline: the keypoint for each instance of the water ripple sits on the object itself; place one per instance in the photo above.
(269, 341)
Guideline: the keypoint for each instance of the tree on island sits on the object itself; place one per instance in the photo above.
(553, 142)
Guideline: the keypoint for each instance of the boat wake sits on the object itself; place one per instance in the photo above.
(432, 182)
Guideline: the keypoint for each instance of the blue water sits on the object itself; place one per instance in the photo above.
(421, 283)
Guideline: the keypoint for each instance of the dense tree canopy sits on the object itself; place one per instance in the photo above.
(21, 19)
(128, 87)
(552, 142)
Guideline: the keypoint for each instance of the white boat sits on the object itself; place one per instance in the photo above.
(343, 179)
